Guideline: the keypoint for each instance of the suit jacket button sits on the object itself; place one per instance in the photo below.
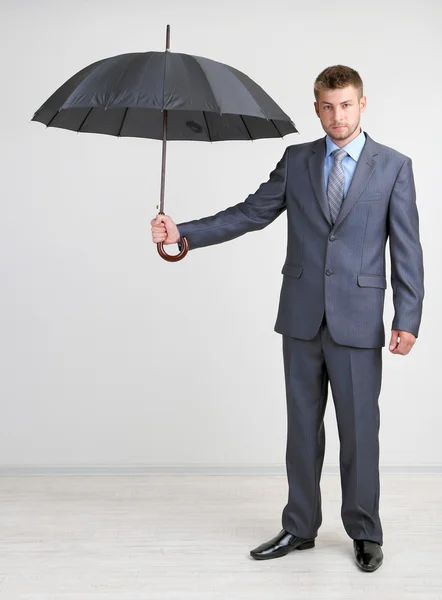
(332, 238)
(328, 272)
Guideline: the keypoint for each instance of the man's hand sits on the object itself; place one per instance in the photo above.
(404, 344)
(164, 230)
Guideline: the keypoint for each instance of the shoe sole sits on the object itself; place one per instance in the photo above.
(283, 551)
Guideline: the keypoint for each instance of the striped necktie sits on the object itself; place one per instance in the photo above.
(335, 187)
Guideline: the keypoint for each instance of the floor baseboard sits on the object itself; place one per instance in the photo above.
(193, 469)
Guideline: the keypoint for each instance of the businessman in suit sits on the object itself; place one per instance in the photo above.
(345, 195)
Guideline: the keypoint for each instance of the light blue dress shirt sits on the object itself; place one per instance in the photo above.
(354, 149)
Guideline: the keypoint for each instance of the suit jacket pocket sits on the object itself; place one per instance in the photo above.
(375, 197)
(367, 280)
(292, 270)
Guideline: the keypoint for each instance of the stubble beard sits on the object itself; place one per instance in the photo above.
(342, 135)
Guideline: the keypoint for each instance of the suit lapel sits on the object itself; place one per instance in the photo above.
(316, 170)
(364, 170)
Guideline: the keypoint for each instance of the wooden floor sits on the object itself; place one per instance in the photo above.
(188, 537)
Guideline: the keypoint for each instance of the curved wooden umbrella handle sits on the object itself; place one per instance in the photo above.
(174, 257)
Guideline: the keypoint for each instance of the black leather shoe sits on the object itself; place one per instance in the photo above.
(369, 556)
(280, 545)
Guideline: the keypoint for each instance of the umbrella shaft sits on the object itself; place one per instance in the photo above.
(163, 163)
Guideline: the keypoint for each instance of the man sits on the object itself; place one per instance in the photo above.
(344, 194)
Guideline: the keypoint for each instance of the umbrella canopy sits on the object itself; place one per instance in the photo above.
(126, 95)
(168, 96)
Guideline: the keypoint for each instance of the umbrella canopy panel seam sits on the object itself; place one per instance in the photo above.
(234, 81)
(72, 101)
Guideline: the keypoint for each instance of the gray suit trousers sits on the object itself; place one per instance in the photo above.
(355, 379)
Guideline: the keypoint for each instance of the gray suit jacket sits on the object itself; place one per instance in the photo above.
(340, 268)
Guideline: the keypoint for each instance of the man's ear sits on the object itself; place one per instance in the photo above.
(363, 103)
(316, 108)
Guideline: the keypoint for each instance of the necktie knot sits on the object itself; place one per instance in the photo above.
(339, 155)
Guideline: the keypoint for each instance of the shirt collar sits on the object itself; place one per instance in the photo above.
(354, 148)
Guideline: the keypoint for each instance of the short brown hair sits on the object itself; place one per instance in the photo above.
(338, 76)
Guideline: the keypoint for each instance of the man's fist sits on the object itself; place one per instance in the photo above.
(164, 230)
(405, 343)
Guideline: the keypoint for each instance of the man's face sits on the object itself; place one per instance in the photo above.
(340, 113)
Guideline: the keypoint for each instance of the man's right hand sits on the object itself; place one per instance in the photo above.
(164, 230)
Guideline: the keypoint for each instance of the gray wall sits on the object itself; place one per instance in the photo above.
(112, 357)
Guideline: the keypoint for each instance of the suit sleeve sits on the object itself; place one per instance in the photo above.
(256, 212)
(407, 270)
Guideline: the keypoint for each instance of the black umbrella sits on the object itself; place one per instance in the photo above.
(165, 96)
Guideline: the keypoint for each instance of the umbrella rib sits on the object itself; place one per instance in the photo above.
(122, 122)
(84, 120)
(274, 124)
(215, 101)
(247, 129)
(207, 125)
(52, 118)
(232, 70)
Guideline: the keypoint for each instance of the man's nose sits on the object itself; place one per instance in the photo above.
(338, 114)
